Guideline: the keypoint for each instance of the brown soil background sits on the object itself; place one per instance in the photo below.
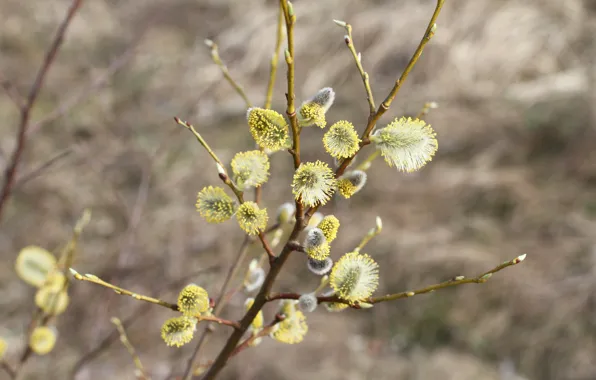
(515, 173)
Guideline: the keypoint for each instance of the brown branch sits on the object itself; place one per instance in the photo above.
(11, 170)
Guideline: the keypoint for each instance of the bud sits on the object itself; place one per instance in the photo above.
(319, 267)
(307, 302)
(340, 23)
(316, 245)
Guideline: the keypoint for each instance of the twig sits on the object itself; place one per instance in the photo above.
(11, 170)
(42, 167)
(458, 280)
(96, 280)
(357, 58)
(224, 69)
(220, 166)
(426, 109)
(140, 371)
(274, 60)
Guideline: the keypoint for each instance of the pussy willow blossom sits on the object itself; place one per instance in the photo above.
(351, 182)
(354, 277)
(268, 128)
(193, 300)
(33, 265)
(293, 328)
(178, 331)
(319, 267)
(251, 218)
(56, 280)
(329, 226)
(251, 169)
(307, 302)
(42, 340)
(255, 276)
(316, 245)
(313, 183)
(314, 221)
(312, 111)
(214, 204)
(341, 140)
(406, 143)
(256, 323)
(285, 213)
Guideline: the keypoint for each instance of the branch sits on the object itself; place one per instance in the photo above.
(226, 73)
(458, 280)
(96, 280)
(41, 168)
(11, 170)
(8, 369)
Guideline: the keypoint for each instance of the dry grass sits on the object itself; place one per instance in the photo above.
(516, 173)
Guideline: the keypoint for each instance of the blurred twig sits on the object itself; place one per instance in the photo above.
(274, 60)
(11, 170)
(224, 69)
(140, 370)
(42, 167)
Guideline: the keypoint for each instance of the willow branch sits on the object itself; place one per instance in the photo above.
(96, 280)
(12, 92)
(455, 281)
(11, 170)
(224, 69)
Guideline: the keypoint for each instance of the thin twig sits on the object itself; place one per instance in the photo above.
(11, 170)
(96, 280)
(349, 40)
(274, 60)
(140, 370)
(42, 167)
(224, 69)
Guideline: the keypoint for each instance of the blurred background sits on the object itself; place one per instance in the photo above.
(515, 173)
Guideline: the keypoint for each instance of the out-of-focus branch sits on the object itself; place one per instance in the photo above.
(11, 170)
(224, 69)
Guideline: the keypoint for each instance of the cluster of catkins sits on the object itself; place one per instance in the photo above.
(407, 144)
